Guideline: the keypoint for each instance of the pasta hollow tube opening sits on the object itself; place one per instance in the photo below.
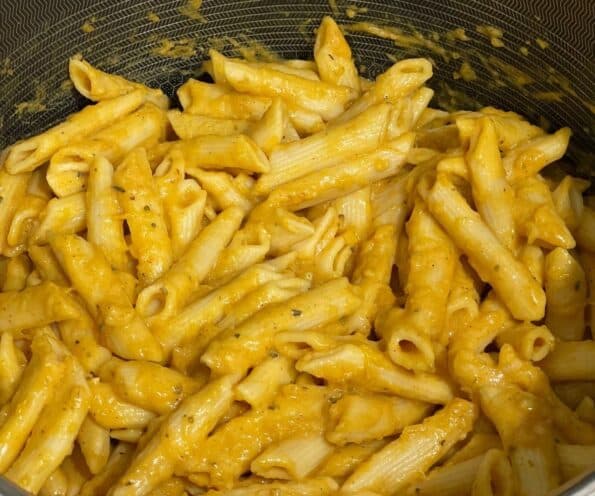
(531, 342)
(171, 291)
(31, 153)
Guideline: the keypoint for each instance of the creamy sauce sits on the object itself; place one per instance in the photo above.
(192, 10)
(153, 17)
(34, 105)
(182, 49)
(88, 26)
(494, 34)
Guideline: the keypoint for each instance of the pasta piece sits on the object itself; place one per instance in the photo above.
(216, 101)
(222, 189)
(571, 361)
(268, 132)
(326, 99)
(228, 452)
(528, 158)
(12, 189)
(179, 433)
(127, 435)
(90, 273)
(220, 152)
(31, 153)
(18, 270)
(23, 224)
(187, 326)
(80, 335)
(152, 386)
(432, 260)
(55, 485)
(566, 292)
(362, 418)
(76, 472)
(321, 150)
(492, 194)
(12, 365)
(261, 385)
(67, 215)
(533, 257)
(588, 265)
(341, 463)
(292, 459)
(54, 434)
(35, 306)
(511, 128)
(389, 202)
(333, 56)
(143, 210)
(575, 459)
(111, 412)
(451, 480)
(584, 231)
(398, 81)
(415, 451)
(568, 200)
(188, 126)
(47, 265)
(479, 444)
(536, 215)
(238, 349)
(531, 342)
(69, 167)
(494, 263)
(104, 224)
(347, 177)
(94, 442)
(97, 85)
(162, 299)
(369, 368)
(318, 486)
(406, 112)
(119, 460)
(494, 475)
(462, 306)
(275, 291)
(38, 386)
(242, 253)
(526, 436)
(572, 393)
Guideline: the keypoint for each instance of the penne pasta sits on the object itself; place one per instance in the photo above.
(414, 451)
(487, 255)
(90, 273)
(333, 56)
(566, 293)
(325, 99)
(347, 177)
(321, 150)
(68, 171)
(143, 211)
(170, 292)
(238, 349)
(31, 153)
(97, 85)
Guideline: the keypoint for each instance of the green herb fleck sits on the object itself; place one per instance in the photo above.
(119, 188)
(146, 208)
(295, 312)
